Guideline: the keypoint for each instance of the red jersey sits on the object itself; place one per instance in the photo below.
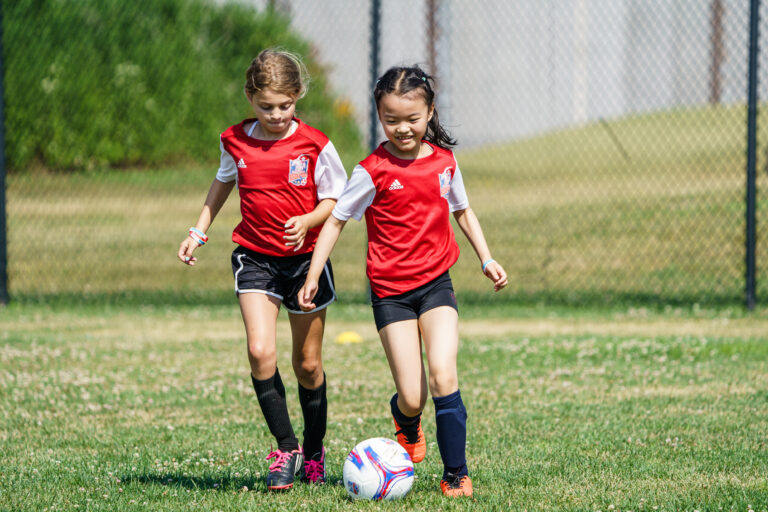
(407, 205)
(277, 180)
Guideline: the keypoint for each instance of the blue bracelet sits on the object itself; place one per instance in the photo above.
(486, 263)
(199, 233)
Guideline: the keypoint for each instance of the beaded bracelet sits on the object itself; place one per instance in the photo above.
(486, 263)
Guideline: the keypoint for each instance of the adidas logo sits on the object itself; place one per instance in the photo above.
(241, 164)
(395, 185)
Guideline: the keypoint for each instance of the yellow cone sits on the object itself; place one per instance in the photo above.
(349, 337)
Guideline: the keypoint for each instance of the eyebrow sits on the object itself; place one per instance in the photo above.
(412, 114)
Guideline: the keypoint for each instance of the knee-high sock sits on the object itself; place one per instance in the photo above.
(314, 405)
(271, 395)
(451, 423)
(404, 421)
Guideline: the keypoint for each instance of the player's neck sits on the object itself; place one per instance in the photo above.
(424, 150)
(261, 134)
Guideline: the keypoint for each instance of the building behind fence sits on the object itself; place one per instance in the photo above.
(603, 145)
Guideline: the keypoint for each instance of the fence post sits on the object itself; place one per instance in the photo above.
(432, 39)
(716, 51)
(750, 281)
(375, 43)
(3, 224)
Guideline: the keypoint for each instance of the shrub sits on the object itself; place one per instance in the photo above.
(93, 83)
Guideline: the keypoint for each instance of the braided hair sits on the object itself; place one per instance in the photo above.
(279, 70)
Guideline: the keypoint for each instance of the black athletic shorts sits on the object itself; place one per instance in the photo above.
(281, 277)
(411, 305)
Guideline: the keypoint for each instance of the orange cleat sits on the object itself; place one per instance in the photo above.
(454, 486)
(413, 441)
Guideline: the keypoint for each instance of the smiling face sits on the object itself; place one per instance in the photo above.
(274, 111)
(404, 119)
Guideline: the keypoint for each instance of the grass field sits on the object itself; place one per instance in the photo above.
(658, 216)
(151, 408)
(124, 382)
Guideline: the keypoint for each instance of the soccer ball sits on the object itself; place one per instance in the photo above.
(378, 469)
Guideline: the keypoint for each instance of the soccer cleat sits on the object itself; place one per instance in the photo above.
(412, 439)
(314, 470)
(285, 468)
(454, 486)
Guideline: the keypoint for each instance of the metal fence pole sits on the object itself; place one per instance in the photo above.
(375, 44)
(751, 233)
(3, 224)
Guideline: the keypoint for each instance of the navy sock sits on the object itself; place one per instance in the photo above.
(404, 421)
(271, 395)
(314, 406)
(451, 432)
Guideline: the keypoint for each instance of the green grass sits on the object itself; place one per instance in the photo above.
(574, 219)
(150, 408)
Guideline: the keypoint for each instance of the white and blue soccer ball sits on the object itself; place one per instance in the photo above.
(378, 469)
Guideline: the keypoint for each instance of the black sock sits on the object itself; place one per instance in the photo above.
(314, 405)
(451, 432)
(271, 395)
(408, 424)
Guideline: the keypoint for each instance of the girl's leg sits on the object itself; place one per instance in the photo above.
(402, 346)
(440, 329)
(260, 316)
(441, 339)
(307, 331)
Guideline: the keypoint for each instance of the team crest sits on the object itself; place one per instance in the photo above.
(298, 171)
(445, 182)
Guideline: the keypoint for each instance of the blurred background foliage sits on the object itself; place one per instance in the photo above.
(107, 83)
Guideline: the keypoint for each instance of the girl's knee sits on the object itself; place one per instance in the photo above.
(443, 383)
(307, 368)
(411, 404)
(261, 353)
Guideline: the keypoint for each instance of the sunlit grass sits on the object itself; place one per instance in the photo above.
(151, 408)
(658, 215)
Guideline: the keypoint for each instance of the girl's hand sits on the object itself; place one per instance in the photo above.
(306, 294)
(495, 273)
(186, 249)
(295, 231)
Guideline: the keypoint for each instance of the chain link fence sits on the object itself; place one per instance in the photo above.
(602, 143)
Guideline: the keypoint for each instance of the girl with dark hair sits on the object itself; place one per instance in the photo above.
(406, 189)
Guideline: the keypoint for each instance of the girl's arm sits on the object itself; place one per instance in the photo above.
(323, 247)
(296, 227)
(471, 227)
(217, 195)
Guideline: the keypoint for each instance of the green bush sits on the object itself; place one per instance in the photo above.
(110, 83)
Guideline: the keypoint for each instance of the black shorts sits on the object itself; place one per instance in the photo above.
(281, 277)
(411, 305)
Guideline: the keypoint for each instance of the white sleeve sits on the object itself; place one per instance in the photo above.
(357, 196)
(457, 195)
(330, 176)
(227, 168)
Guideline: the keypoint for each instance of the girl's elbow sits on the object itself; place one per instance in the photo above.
(337, 223)
(460, 214)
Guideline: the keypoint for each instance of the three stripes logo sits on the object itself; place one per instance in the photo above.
(241, 164)
(396, 185)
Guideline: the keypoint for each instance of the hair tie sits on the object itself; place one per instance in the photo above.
(424, 78)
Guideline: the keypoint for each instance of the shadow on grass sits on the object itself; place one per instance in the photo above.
(220, 483)
(226, 483)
